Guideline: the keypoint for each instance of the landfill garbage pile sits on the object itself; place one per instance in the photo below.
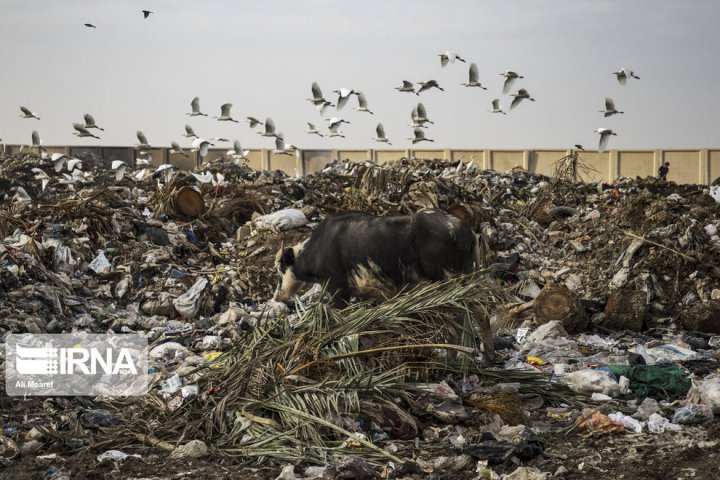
(604, 298)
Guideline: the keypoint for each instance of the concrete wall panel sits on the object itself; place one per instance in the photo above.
(353, 155)
(684, 166)
(714, 165)
(543, 161)
(428, 154)
(506, 160)
(286, 163)
(315, 160)
(636, 164)
(385, 156)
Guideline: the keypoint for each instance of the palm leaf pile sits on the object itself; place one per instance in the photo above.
(277, 394)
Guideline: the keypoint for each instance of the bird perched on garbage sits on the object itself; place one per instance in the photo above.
(663, 171)
(610, 107)
(28, 114)
(519, 97)
(407, 86)
(380, 131)
(623, 74)
(427, 85)
(510, 78)
(90, 122)
(146, 13)
(225, 113)
(496, 107)
(473, 77)
(195, 105)
(81, 131)
(449, 57)
(605, 134)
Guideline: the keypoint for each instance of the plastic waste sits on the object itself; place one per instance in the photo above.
(589, 381)
(188, 304)
(97, 418)
(281, 220)
(710, 392)
(115, 456)
(100, 263)
(692, 414)
(192, 449)
(629, 423)
(658, 424)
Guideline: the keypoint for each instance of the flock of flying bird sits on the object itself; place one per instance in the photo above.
(419, 115)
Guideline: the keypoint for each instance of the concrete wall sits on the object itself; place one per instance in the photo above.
(686, 165)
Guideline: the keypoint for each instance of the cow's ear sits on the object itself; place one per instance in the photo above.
(288, 257)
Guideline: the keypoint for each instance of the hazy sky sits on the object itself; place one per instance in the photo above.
(262, 56)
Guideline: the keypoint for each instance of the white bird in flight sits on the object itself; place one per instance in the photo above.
(318, 100)
(143, 140)
(519, 97)
(605, 134)
(343, 96)
(73, 163)
(427, 85)
(189, 132)
(312, 129)
(419, 136)
(610, 107)
(58, 160)
(90, 122)
(510, 78)
(119, 166)
(335, 122)
(280, 148)
(473, 77)
(380, 131)
(36, 141)
(335, 130)
(362, 103)
(225, 113)
(419, 116)
(269, 130)
(176, 148)
(253, 122)
(622, 75)
(82, 131)
(42, 176)
(28, 114)
(449, 57)
(201, 145)
(195, 105)
(407, 86)
(238, 153)
(496, 107)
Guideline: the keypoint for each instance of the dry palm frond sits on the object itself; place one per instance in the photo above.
(507, 405)
(279, 385)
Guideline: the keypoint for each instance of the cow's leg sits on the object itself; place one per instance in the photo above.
(486, 337)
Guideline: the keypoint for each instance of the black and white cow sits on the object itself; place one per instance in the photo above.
(367, 256)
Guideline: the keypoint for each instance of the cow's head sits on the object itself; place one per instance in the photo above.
(284, 263)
